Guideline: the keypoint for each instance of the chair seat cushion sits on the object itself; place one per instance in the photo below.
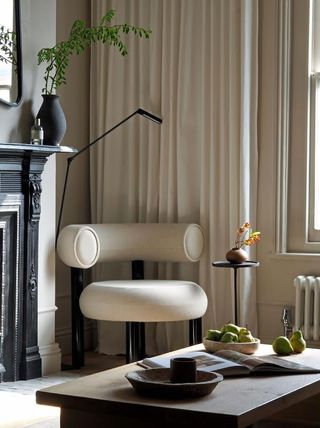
(143, 300)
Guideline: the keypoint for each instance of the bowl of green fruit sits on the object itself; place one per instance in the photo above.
(232, 337)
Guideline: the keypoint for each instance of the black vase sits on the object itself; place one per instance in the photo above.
(52, 119)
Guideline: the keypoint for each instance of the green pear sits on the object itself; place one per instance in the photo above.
(229, 337)
(246, 337)
(297, 342)
(230, 328)
(214, 335)
(282, 346)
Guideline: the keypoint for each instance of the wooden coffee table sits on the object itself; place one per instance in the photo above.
(106, 399)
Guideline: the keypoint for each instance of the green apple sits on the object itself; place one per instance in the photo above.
(229, 337)
(214, 335)
(282, 346)
(230, 328)
(297, 342)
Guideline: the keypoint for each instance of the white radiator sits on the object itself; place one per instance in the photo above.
(307, 310)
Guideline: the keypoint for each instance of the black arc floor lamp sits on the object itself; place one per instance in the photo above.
(140, 111)
(76, 274)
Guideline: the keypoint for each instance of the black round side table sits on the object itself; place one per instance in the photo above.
(235, 267)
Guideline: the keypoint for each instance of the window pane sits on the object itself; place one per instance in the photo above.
(315, 36)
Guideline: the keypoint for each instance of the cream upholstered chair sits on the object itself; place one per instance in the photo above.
(137, 300)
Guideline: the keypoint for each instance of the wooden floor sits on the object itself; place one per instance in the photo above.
(18, 405)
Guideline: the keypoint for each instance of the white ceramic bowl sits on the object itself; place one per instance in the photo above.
(244, 347)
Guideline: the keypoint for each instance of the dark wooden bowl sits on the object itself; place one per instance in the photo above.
(156, 382)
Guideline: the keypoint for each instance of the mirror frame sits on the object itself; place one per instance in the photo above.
(19, 58)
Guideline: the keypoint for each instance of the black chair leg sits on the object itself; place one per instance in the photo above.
(137, 269)
(77, 319)
(142, 340)
(135, 331)
(132, 341)
(195, 331)
(135, 341)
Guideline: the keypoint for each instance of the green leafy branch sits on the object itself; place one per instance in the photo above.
(81, 37)
(8, 47)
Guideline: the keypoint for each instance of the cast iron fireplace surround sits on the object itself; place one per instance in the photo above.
(21, 166)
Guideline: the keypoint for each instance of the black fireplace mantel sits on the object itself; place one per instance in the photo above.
(21, 166)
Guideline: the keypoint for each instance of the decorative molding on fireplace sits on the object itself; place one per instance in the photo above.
(33, 283)
(35, 194)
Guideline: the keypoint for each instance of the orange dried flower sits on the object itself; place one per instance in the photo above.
(246, 237)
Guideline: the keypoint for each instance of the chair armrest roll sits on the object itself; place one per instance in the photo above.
(78, 246)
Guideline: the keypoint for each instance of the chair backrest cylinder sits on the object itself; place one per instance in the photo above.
(169, 242)
(150, 242)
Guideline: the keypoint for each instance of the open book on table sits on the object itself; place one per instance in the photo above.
(233, 363)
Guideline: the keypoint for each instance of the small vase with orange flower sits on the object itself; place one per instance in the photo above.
(245, 237)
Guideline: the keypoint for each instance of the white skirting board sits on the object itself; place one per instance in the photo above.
(50, 358)
(49, 350)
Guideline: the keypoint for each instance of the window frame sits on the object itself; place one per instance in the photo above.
(314, 143)
(313, 198)
(294, 172)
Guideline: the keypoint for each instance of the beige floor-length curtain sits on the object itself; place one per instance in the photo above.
(199, 72)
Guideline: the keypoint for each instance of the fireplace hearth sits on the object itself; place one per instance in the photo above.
(21, 166)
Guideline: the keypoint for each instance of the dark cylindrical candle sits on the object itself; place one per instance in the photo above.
(183, 370)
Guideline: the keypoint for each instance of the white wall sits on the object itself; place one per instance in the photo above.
(38, 30)
(75, 103)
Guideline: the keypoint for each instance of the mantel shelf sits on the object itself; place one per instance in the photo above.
(41, 149)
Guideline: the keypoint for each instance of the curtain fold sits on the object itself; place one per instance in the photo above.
(199, 72)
